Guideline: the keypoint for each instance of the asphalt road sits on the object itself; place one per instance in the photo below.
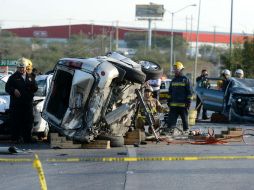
(63, 174)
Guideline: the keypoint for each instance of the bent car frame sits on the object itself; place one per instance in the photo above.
(238, 107)
(91, 97)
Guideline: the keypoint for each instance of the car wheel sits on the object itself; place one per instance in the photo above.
(151, 69)
(133, 75)
(115, 141)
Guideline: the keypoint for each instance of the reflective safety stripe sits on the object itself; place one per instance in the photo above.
(177, 104)
(178, 84)
(165, 96)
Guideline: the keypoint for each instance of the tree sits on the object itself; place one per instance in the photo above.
(242, 57)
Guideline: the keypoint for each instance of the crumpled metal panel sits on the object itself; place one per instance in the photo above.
(242, 86)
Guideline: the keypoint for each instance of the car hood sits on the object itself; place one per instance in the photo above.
(4, 103)
(242, 86)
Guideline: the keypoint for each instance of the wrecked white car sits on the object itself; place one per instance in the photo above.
(96, 96)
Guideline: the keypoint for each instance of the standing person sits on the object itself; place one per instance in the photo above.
(21, 86)
(179, 99)
(226, 78)
(227, 84)
(155, 84)
(239, 73)
(203, 81)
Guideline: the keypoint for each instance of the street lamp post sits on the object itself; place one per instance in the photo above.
(231, 28)
(196, 49)
(172, 34)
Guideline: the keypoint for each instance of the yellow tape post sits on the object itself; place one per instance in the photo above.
(38, 166)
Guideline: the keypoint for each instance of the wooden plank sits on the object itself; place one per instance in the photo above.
(132, 137)
(233, 138)
(236, 129)
(98, 144)
(133, 134)
(65, 145)
(235, 132)
(131, 141)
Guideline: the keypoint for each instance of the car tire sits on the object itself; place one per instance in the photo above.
(115, 141)
(151, 73)
(133, 75)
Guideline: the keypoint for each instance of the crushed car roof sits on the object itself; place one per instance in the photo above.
(243, 86)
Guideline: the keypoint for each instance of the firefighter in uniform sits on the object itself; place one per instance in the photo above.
(204, 83)
(21, 86)
(179, 99)
(153, 106)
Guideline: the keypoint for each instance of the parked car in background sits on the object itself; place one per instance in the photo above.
(95, 97)
(164, 90)
(240, 102)
(40, 127)
(4, 106)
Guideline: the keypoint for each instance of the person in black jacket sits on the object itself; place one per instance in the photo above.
(204, 83)
(21, 86)
(179, 100)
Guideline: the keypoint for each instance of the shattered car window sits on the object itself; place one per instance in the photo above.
(2, 88)
(41, 87)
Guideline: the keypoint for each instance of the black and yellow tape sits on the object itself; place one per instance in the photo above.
(131, 159)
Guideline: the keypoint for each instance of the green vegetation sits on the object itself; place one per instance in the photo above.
(242, 57)
(44, 54)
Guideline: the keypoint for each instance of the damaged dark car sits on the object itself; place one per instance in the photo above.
(236, 103)
(94, 97)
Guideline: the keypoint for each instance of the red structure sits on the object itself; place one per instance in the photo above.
(64, 32)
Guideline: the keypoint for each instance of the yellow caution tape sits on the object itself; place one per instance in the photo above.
(15, 160)
(137, 159)
(37, 163)
(38, 166)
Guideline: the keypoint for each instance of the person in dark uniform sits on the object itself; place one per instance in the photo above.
(21, 86)
(179, 100)
(226, 87)
(203, 81)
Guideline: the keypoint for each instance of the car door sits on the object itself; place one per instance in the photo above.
(212, 97)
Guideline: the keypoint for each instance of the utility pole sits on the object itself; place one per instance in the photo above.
(117, 34)
(149, 33)
(197, 52)
(214, 37)
(191, 30)
(186, 28)
(110, 40)
(69, 30)
(92, 29)
(231, 28)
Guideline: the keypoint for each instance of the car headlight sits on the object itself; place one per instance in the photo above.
(39, 106)
(239, 100)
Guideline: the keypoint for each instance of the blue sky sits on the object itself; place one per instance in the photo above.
(214, 13)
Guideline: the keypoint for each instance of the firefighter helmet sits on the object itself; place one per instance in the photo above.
(148, 89)
(178, 66)
(239, 73)
(23, 62)
(226, 72)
